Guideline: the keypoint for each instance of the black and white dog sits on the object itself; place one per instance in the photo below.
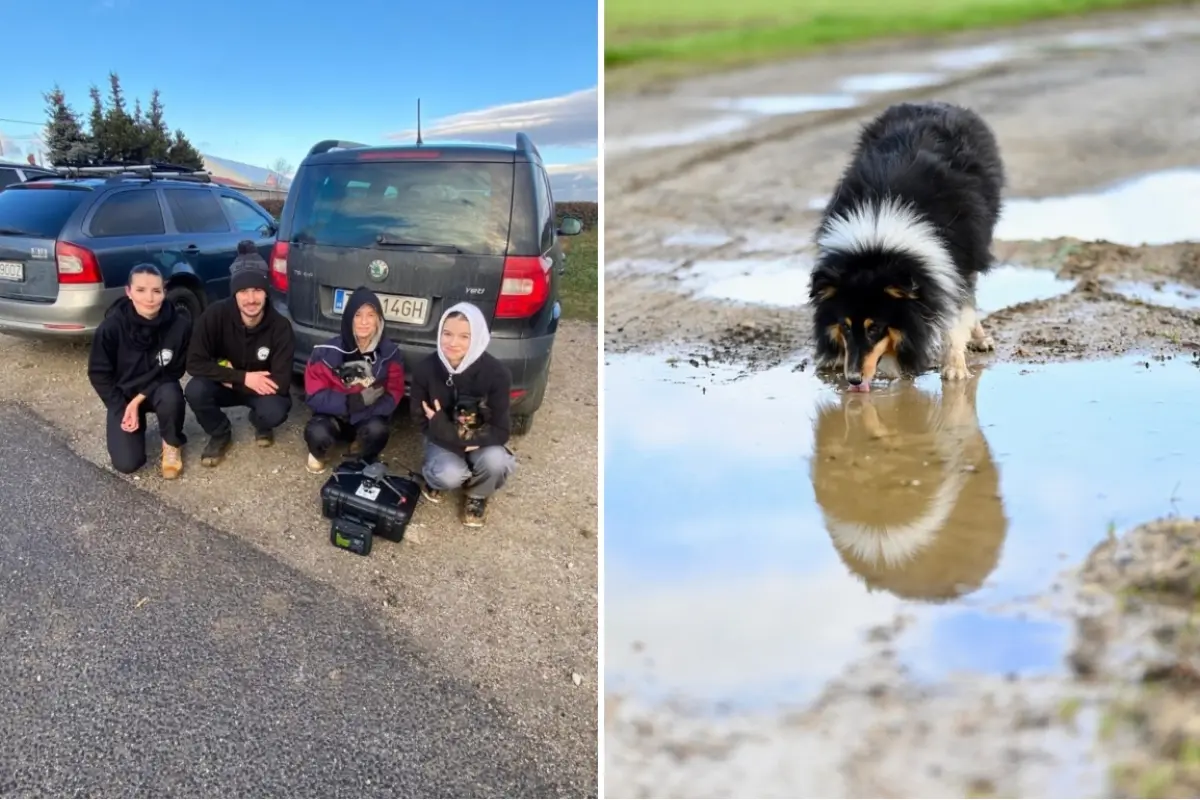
(902, 241)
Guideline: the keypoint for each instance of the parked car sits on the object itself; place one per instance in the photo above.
(67, 243)
(12, 172)
(425, 227)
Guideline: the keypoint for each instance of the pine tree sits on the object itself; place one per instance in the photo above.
(156, 136)
(65, 138)
(184, 154)
(96, 124)
(120, 133)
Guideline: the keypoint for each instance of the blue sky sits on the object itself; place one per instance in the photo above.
(264, 80)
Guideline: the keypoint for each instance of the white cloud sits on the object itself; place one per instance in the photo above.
(570, 120)
(577, 182)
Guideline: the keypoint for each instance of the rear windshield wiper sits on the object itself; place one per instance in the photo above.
(14, 232)
(391, 241)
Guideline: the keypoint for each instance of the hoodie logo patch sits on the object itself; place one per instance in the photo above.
(262, 353)
(164, 357)
(377, 269)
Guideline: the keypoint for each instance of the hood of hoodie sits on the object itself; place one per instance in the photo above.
(362, 296)
(480, 336)
(141, 333)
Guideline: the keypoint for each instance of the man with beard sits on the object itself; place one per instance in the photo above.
(241, 355)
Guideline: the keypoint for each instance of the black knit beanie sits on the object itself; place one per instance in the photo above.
(248, 270)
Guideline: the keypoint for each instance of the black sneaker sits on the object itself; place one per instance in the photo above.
(214, 451)
(474, 512)
(432, 495)
(264, 438)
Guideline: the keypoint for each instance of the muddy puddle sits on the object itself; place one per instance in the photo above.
(780, 551)
(783, 281)
(1158, 208)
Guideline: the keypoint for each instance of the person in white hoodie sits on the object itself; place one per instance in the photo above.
(459, 396)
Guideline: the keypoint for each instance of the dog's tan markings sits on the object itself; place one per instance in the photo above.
(887, 346)
(899, 294)
(834, 332)
(849, 323)
(867, 323)
(827, 293)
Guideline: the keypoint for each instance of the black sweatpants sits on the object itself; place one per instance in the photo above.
(322, 432)
(127, 451)
(207, 398)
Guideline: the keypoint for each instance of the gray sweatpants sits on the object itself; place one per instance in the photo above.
(483, 472)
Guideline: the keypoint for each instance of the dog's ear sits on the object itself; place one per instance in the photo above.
(822, 286)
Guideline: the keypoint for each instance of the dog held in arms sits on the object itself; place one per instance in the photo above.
(902, 243)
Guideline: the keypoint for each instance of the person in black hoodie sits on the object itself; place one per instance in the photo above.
(136, 365)
(241, 355)
(460, 398)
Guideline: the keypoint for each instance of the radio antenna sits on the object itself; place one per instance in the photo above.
(419, 142)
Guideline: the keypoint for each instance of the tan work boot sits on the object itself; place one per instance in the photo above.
(172, 462)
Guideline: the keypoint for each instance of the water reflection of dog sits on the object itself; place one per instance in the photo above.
(909, 490)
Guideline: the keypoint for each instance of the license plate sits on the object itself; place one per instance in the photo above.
(12, 271)
(396, 308)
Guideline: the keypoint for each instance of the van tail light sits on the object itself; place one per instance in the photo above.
(525, 286)
(76, 265)
(279, 271)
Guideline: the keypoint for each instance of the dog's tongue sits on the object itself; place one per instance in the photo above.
(862, 387)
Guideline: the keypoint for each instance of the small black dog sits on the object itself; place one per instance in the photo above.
(470, 414)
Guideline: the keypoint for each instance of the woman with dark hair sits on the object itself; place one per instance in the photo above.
(136, 365)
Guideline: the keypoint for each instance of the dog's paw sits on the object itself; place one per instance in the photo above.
(983, 344)
(955, 371)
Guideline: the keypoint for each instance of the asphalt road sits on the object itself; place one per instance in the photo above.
(146, 654)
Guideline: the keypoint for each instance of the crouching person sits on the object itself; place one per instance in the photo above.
(136, 365)
(241, 355)
(460, 398)
(353, 384)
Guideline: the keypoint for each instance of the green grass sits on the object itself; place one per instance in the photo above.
(665, 36)
(580, 287)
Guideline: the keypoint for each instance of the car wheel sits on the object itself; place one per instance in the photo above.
(185, 300)
(520, 424)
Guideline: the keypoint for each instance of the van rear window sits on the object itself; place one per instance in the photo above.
(40, 213)
(465, 205)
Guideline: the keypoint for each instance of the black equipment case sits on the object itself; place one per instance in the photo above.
(365, 501)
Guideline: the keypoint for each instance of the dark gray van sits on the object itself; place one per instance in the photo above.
(424, 227)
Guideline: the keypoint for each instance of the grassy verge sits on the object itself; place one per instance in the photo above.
(658, 39)
(580, 284)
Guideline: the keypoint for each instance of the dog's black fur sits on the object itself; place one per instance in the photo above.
(937, 167)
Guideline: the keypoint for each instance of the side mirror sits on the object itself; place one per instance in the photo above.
(269, 230)
(570, 226)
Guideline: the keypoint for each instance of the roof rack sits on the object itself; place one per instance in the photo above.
(333, 144)
(148, 171)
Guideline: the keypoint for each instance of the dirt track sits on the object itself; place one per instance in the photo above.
(1073, 116)
(1068, 120)
(510, 609)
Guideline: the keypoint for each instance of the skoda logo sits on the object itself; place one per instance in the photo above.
(378, 270)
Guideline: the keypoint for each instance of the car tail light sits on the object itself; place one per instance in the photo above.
(279, 273)
(525, 286)
(77, 264)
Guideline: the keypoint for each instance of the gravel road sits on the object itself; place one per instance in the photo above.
(147, 654)
(509, 612)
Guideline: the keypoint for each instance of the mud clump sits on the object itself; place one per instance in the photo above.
(1148, 642)
(751, 345)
